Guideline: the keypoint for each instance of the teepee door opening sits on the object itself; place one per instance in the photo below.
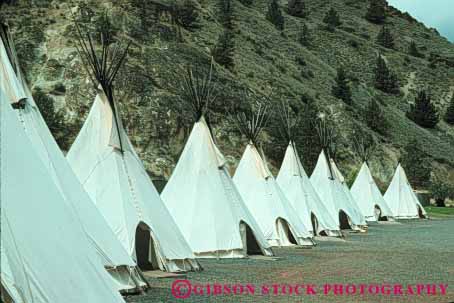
(145, 249)
(377, 213)
(4, 295)
(314, 221)
(284, 232)
(250, 244)
(420, 213)
(344, 221)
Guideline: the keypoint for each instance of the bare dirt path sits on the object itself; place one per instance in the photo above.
(417, 252)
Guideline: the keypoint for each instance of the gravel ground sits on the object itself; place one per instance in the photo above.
(416, 252)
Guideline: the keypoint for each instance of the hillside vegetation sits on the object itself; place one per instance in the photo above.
(267, 60)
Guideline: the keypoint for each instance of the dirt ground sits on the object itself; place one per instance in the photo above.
(408, 254)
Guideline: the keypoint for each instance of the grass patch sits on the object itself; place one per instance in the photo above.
(440, 211)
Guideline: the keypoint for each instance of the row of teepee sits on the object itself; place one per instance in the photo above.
(99, 220)
(399, 201)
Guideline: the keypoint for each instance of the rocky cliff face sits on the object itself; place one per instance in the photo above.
(266, 60)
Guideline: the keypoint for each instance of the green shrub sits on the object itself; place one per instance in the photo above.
(341, 89)
(449, 115)
(296, 8)
(332, 20)
(417, 164)
(440, 191)
(274, 15)
(353, 43)
(187, 14)
(376, 13)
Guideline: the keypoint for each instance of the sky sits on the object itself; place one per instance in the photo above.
(433, 13)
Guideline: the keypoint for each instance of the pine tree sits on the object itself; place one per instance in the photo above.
(105, 28)
(423, 112)
(54, 118)
(392, 86)
(376, 13)
(247, 2)
(186, 14)
(375, 118)
(449, 115)
(310, 144)
(342, 90)
(223, 52)
(433, 59)
(7, 2)
(385, 79)
(296, 8)
(143, 10)
(385, 38)
(274, 15)
(381, 73)
(417, 164)
(332, 20)
(413, 50)
(227, 14)
(305, 36)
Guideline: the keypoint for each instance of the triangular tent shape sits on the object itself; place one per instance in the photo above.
(107, 165)
(295, 183)
(338, 175)
(121, 188)
(275, 215)
(206, 205)
(368, 197)
(401, 198)
(117, 261)
(45, 253)
(333, 195)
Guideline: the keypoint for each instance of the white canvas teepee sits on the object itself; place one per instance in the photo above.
(401, 198)
(274, 214)
(333, 195)
(45, 253)
(338, 175)
(368, 197)
(206, 205)
(114, 256)
(106, 164)
(298, 189)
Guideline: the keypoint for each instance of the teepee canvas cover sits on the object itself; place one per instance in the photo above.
(275, 215)
(9, 68)
(114, 177)
(333, 194)
(114, 256)
(338, 175)
(108, 167)
(45, 253)
(368, 197)
(401, 198)
(298, 189)
(205, 203)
